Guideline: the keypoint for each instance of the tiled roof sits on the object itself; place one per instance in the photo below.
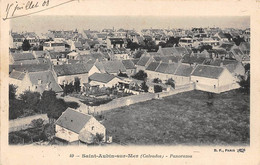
(113, 66)
(169, 59)
(162, 68)
(23, 56)
(101, 77)
(17, 75)
(143, 61)
(184, 70)
(72, 69)
(193, 59)
(47, 79)
(168, 52)
(152, 66)
(171, 68)
(208, 71)
(128, 64)
(78, 44)
(30, 68)
(73, 120)
(135, 60)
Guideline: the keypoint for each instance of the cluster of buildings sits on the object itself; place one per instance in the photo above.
(97, 58)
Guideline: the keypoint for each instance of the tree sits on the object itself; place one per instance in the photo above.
(15, 108)
(26, 45)
(77, 84)
(157, 88)
(144, 87)
(36, 123)
(157, 80)
(140, 75)
(245, 84)
(238, 40)
(172, 41)
(205, 47)
(120, 74)
(171, 82)
(31, 100)
(12, 91)
(98, 138)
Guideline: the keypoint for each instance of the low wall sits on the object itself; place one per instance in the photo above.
(125, 101)
(24, 123)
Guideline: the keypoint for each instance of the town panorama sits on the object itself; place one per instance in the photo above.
(117, 86)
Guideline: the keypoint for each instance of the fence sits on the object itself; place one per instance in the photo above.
(24, 123)
(133, 99)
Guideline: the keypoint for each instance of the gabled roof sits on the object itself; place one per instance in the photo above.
(101, 77)
(17, 75)
(162, 67)
(193, 59)
(72, 69)
(184, 70)
(113, 66)
(171, 68)
(47, 81)
(182, 50)
(73, 120)
(30, 68)
(208, 71)
(143, 61)
(23, 56)
(168, 51)
(78, 44)
(152, 66)
(170, 59)
(128, 64)
(135, 60)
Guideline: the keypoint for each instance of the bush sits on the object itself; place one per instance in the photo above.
(157, 88)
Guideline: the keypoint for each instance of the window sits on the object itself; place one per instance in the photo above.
(197, 80)
(92, 128)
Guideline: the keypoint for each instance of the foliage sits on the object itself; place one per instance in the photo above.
(144, 87)
(98, 138)
(15, 108)
(31, 100)
(133, 45)
(141, 75)
(122, 74)
(77, 84)
(12, 91)
(247, 68)
(170, 82)
(157, 88)
(245, 84)
(72, 104)
(138, 54)
(238, 40)
(26, 45)
(172, 41)
(205, 47)
(157, 80)
(37, 123)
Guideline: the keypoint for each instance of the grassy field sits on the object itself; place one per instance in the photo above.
(183, 119)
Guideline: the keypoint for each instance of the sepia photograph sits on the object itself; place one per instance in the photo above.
(142, 82)
(91, 81)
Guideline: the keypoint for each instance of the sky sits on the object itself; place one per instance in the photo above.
(43, 23)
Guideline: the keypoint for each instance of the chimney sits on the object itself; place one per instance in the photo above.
(160, 47)
(39, 81)
(221, 64)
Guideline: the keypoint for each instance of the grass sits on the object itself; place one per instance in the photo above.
(183, 119)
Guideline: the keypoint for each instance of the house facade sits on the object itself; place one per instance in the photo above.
(74, 126)
(213, 79)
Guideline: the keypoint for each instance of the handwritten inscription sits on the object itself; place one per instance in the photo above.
(12, 9)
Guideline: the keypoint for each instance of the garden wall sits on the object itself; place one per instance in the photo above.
(125, 101)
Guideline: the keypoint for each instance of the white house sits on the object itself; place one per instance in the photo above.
(74, 126)
(104, 80)
(54, 46)
(67, 73)
(214, 79)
